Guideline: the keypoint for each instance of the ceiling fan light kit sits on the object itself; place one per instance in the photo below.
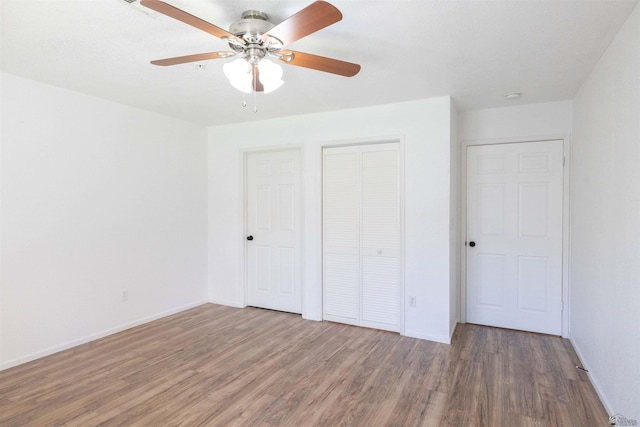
(241, 75)
(256, 40)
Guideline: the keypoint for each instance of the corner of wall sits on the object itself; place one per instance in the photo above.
(454, 220)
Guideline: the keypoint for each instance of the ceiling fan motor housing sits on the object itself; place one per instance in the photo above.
(251, 26)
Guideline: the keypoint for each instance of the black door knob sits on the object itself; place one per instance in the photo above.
(249, 237)
(472, 244)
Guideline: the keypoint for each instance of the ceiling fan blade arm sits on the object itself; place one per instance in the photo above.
(187, 18)
(312, 18)
(320, 63)
(193, 58)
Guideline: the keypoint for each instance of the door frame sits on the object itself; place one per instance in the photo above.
(244, 170)
(399, 139)
(566, 175)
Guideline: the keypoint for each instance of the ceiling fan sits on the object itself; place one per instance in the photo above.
(254, 38)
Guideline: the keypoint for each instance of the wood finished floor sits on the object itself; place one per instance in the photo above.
(221, 366)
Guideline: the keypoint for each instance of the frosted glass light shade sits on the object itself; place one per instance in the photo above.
(239, 74)
(270, 75)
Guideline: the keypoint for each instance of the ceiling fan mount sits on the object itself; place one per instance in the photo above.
(254, 37)
(252, 28)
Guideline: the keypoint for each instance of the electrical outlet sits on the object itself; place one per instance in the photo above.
(125, 295)
(412, 301)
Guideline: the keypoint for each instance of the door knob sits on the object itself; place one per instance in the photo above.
(249, 237)
(472, 244)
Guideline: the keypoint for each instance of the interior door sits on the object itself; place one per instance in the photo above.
(274, 230)
(514, 236)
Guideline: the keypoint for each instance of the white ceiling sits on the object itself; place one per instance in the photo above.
(473, 50)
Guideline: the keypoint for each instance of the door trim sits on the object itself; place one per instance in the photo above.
(244, 156)
(566, 288)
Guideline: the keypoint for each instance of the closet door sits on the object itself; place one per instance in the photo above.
(380, 236)
(361, 235)
(341, 234)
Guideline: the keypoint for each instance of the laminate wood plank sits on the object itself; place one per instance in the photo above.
(352, 402)
(493, 393)
(567, 360)
(222, 366)
(231, 407)
(440, 372)
(524, 397)
(552, 387)
(164, 405)
(82, 420)
(416, 397)
(323, 392)
(351, 376)
(560, 414)
(380, 385)
(397, 406)
(584, 405)
(80, 402)
(462, 405)
(109, 407)
(433, 412)
(255, 385)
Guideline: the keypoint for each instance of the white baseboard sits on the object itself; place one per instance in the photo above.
(594, 383)
(315, 318)
(452, 328)
(227, 303)
(55, 349)
(413, 334)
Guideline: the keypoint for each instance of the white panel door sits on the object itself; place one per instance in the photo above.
(514, 236)
(274, 231)
(361, 235)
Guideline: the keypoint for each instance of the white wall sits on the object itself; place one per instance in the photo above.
(425, 127)
(97, 198)
(605, 223)
(535, 121)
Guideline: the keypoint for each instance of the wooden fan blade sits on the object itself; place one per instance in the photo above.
(312, 18)
(187, 18)
(193, 58)
(320, 63)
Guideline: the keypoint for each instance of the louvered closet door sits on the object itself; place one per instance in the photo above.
(380, 241)
(341, 229)
(362, 235)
